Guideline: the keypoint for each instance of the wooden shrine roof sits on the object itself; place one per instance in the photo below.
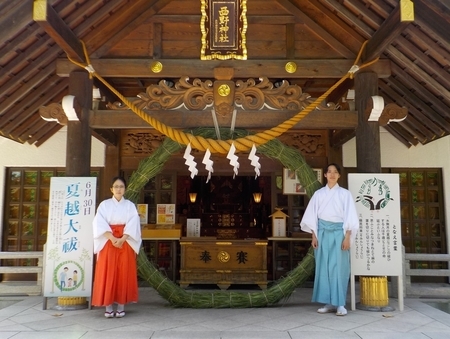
(323, 37)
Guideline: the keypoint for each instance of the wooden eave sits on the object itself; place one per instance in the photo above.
(322, 36)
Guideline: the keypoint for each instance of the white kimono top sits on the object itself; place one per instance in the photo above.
(113, 212)
(331, 204)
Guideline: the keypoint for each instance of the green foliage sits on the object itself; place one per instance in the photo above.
(178, 297)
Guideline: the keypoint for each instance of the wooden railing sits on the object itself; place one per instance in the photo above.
(35, 288)
(440, 290)
(22, 287)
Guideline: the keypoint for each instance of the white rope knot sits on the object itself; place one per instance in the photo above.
(90, 68)
(354, 69)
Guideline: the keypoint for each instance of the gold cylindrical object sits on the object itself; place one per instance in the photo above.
(374, 291)
(71, 301)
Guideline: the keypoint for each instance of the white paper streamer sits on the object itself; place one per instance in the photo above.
(255, 161)
(208, 164)
(234, 159)
(190, 161)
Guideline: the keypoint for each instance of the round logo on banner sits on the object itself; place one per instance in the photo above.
(374, 194)
(68, 276)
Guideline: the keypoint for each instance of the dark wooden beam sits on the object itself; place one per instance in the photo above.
(176, 68)
(389, 30)
(350, 17)
(16, 16)
(403, 136)
(46, 134)
(112, 31)
(402, 96)
(410, 67)
(339, 137)
(107, 136)
(17, 98)
(433, 14)
(40, 96)
(111, 169)
(157, 41)
(368, 152)
(115, 119)
(340, 91)
(417, 89)
(78, 148)
(57, 29)
(319, 30)
(290, 41)
(251, 19)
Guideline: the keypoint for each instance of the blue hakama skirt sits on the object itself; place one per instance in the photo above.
(332, 272)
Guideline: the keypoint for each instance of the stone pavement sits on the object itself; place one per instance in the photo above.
(152, 317)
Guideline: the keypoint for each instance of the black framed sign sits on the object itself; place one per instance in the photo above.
(223, 25)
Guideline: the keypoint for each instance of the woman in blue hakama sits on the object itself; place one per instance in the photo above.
(332, 220)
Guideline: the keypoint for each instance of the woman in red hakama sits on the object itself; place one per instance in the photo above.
(117, 239)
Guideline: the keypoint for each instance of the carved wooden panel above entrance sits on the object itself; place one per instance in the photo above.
(140, 143)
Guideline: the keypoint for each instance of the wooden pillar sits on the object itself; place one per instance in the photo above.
(78, 153)
(112, 169)
(368, 153)
(374, 296)
(78, 150)
(335, 156)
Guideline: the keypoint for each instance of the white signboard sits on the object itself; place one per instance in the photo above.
(193, 228)
(69, 247)
(377, 250)
(279, 227)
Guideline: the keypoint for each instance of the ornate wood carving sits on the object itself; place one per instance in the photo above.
(199, 95)
(53, 112)
(196, 96)
(392, 113)
(140, 143)
(224, 97)
(309, 143)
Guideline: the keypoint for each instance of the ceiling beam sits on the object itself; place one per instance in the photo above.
(426, 12)
(122, 119)
(404, 137)
(339, 137)
(389, 30)
(319, 30)
(176, 68)
(106, 136)
(15, 16)
(112, 31)
(56, 28)
(251, 19)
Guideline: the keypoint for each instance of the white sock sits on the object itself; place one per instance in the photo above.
(120, 307)
(109, 308)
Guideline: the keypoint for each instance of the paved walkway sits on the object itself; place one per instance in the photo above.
(24, 318)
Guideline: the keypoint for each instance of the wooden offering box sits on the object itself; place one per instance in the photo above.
(223, 262)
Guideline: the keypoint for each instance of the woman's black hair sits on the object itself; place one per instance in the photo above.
(119, 178)
(338, 168)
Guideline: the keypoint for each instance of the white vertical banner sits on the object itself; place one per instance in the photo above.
(377, 250)
(193, 227)
(69, 248)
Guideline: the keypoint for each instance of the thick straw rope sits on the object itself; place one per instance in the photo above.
(223, 146)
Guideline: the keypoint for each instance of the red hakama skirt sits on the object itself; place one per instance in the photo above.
(115, 273)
